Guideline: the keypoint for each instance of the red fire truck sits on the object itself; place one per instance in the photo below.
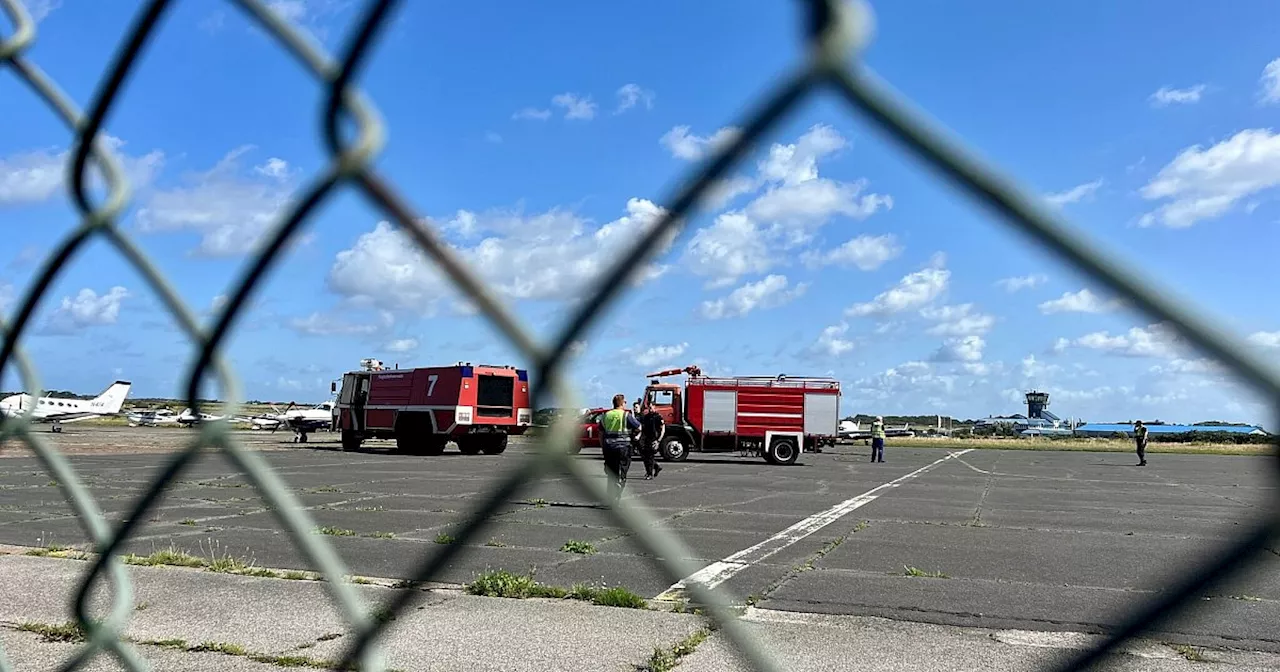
(423, 409)
(774, 417)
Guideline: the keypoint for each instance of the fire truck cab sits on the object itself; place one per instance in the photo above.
(774, 417)
(477, 407)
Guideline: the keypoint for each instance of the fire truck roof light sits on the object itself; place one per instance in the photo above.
(522, 375)
(466, 371)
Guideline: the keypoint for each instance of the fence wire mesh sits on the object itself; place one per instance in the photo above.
(836, 31)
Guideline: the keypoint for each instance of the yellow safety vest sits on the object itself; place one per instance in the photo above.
(877, 430)
(615, 421)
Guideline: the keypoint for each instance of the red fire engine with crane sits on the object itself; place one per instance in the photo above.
(476, 407)
(774, 417)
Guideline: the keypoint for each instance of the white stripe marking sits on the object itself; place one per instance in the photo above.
(718, 572)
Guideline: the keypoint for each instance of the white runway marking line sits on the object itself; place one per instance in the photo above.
(718, 572)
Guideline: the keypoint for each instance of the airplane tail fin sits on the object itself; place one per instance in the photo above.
(111, 401)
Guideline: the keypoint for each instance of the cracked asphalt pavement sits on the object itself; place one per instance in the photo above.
(1016, 540)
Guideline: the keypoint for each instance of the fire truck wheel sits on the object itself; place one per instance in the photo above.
(674, 450)
(350, 440)
(784, 451)
(495, 445)
(469, 446)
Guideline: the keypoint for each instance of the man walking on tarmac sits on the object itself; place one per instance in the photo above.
(616, 427)
(651, 432)
(1140, 438)
(877, 440)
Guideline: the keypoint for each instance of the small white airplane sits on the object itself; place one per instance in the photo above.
(152, 418)
(300, 420)
(56, 411)
(189, 418)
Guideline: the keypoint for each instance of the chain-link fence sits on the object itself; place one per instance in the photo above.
(836, 31)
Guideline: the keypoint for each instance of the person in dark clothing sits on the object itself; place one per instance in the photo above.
(616, 428)
(1140, 438)
(652, 429)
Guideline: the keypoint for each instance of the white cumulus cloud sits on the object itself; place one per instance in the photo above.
(657, 355)
(1083, 301)
(230, 211)
(630, 95)
(1265, 339)
(1207, 183)
(960, 320)
(401, 345)
(963, 349)
(683, 144)
(913, 291)
(87, 309)
(1075, 194)
(1166, 95)
(791, 204)
(553, 255)
(1019, 283)
(575, 106)
(770, 292)
(865, 252)
(1270, 82)
(1156, 340)
(831, 341)
(36, 176)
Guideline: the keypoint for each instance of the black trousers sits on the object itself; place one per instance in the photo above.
(649, 455)
(617, 461)
(1142, 451)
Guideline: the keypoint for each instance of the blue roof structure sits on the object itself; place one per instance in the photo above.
(1112, 428)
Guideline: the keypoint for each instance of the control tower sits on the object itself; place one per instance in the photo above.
(1036, 401)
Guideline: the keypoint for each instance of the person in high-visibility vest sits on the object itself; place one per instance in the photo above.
(616, 427)
(877, 440)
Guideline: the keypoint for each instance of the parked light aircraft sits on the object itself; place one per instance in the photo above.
(853, 431)
(152, 418)
(300, 420)
(56, 411)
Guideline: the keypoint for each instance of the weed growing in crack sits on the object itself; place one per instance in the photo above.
(63, 632)
(579, 547)
(665, 660)
(1191, 653)
(912, 571)
(501, 583)
(335, 532)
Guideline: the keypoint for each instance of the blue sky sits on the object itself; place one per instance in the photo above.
(541, 142)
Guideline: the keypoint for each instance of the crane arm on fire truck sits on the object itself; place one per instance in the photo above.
(692, 370)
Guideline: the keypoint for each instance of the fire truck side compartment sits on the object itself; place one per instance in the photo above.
(733, 411)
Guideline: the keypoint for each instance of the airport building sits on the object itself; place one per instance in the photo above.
(1041, 422)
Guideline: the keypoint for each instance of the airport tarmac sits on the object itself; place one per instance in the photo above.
(1041, 541)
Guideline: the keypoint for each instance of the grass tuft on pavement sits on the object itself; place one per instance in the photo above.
(62, 632)
(665, 660)
(912, 571)
(501, 583)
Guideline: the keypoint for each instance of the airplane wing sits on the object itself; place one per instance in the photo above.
(67, 417)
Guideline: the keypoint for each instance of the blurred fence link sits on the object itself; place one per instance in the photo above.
(836, 31)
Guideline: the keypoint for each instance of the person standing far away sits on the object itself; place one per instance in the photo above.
(877, 439)
(1140, 438)
(651, 432)
(616, 427)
